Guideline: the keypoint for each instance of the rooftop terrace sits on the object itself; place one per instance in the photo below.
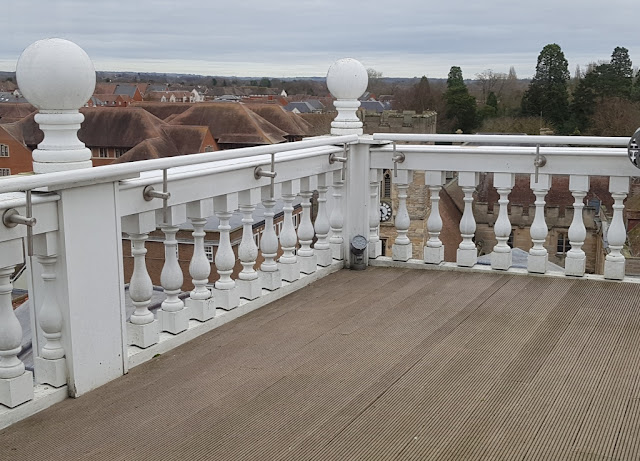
(297, 357)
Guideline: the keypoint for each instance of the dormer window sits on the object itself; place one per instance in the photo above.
(4, 150)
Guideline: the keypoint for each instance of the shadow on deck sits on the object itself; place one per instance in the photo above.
(381, 364)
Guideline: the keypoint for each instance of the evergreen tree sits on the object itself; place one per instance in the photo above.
(620, 73)
(460, 105)
(547, 94)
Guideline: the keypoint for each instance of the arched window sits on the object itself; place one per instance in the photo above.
(386, 184)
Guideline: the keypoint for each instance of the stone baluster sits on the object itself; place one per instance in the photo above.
(16, 384)
(226, 294)
(538, 255)
(142, 328)
(248, 283)
(173, 316)
(375, 244)
(467, 255)
(322, 227)
(50, 365)
(575, 262)
(501, 256)
(288, 262)
(270, 275)
(200, 300)
(336, 219)
(402, 248)
(434, 249)
(614, 264)
(306, 254)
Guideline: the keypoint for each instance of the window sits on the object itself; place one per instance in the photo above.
(4, 150)
(208, 149)
(295, 220)
(386, 184)
(104, 152)
(279, 227)
(5, 171)
(208, 251)
(563, 243)
(119, 152)
(384, 247)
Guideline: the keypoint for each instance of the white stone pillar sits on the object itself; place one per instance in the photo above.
(434, 249)
(270, 275)
(467, 255)
(538, 255)
(58, 78)
(336, 219)
(248, 283)
(306, 255)
(322, 227)
(575, 262)
(347, 80)
(50, 365)
(142, 328)
(173, 316)
(16, 384)
(288, 262)
(226, 294)
(375, 244)
(614, 264)
(501, 258)
(402, 248)
(200, 302)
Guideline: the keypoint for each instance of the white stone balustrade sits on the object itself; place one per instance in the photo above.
(538, 255)
(200, 302)
(467, 255)
(226, 294)
(402, 248)
(248, 283)
(306, 255)
(288, 262)
(270, 275)
(434, 249)
(321, 226)
(501, 258)
(614, 264)
(575, 262)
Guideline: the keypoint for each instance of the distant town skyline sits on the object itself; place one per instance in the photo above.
(288, 38)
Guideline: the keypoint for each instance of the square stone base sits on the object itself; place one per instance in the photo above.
(614, 270)
(375, 249)
(143, 335)
(174, 322)
(337, 251)
(289, 272)
(467, 258)
(15, 391)
(270, 280)
(324, 257)
(401, 252)
(249, 289)
(308, 264)
(52, 372)
(574, 266)
(537, 263)
(501, 261)
(200, 309)
(226, 299)
(434, 255)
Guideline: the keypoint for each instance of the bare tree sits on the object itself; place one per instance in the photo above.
(490, 81)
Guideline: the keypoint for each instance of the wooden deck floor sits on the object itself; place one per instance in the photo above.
(382, 364)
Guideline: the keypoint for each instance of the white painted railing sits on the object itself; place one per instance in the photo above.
(82, 337)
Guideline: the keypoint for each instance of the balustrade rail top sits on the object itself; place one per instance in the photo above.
(62, 179)
(507, 139)
(221, 166)
(613, 152)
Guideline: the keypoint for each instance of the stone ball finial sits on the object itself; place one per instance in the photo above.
(347, 79)
(55, 74)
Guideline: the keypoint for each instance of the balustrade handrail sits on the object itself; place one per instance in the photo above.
(126, 170)
(506, 139)
(505, 150)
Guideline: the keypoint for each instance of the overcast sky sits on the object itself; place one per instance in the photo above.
(287, 38)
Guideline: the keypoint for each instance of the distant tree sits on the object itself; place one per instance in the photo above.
(492, 100)
(460, 106)
(224, 82)
(490, 81)
(376, 84)
(253, 83)
(214, 82)
(547, 95)
(620, 73)
(10, 79)
(265, 82)
(635, 89)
